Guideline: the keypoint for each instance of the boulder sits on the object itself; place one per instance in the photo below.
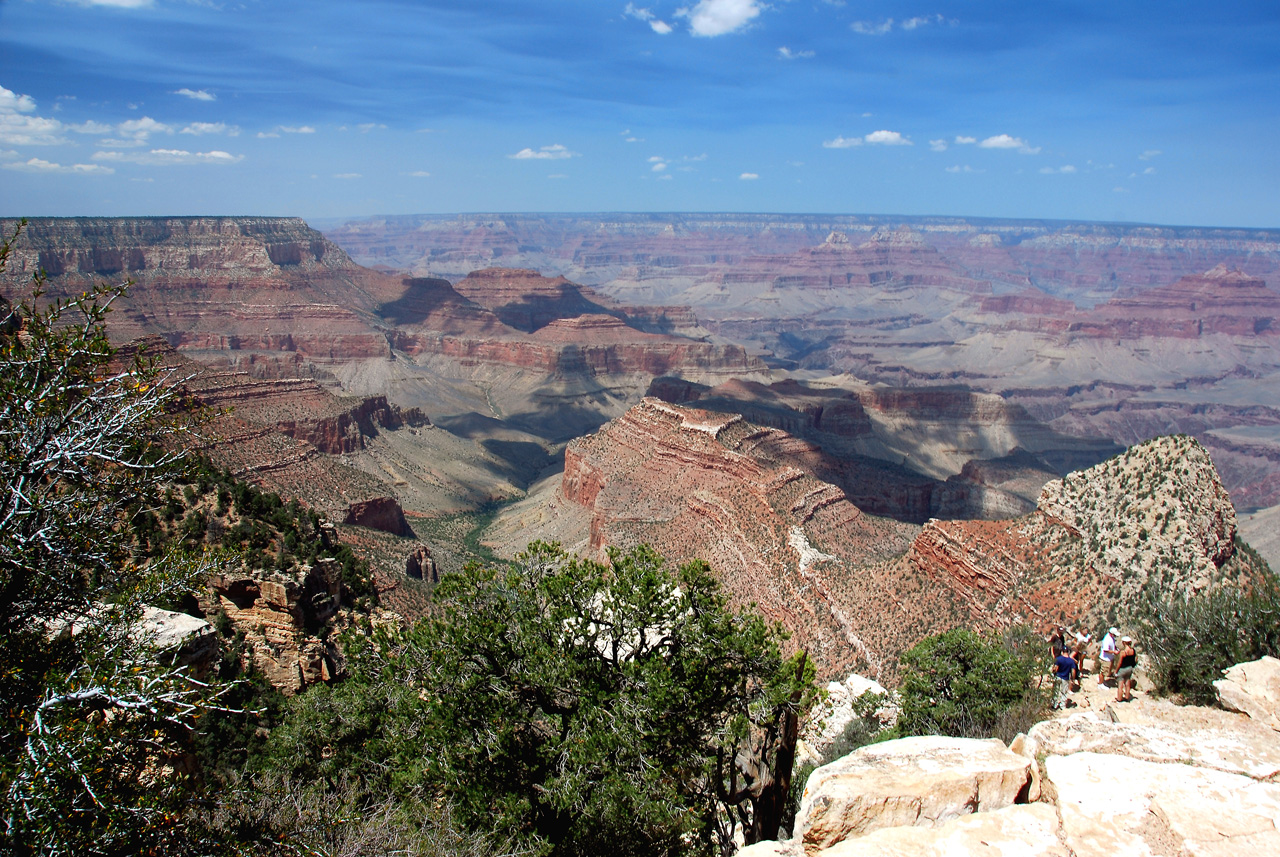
(1115, 806)
(830, 719)
(1253, 688)
(921, 781)
(1026, 831)
(192, 642)
(421, 565)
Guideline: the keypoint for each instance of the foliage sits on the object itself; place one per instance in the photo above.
(92, 719)
(960, 683)
(597, 709)
(1191, 640)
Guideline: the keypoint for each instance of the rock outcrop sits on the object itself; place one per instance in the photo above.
(183, 640)
(421, 566)
(1253, 688)
(923, 781)
(1146, 778)
(379, 513)
(279, 613)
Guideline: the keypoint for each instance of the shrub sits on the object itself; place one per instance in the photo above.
(1190, 641)
(963, 684)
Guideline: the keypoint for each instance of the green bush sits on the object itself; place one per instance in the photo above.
(1190, 641)
(963, 684)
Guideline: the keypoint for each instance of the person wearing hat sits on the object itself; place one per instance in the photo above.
(1126, 662)
(1107, 655)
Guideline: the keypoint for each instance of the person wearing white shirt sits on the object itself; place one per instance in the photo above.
(1108, 656)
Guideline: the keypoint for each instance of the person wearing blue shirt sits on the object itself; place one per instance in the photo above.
(1065, 670)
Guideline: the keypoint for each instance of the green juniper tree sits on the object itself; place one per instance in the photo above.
(591, 708)
(91, 717)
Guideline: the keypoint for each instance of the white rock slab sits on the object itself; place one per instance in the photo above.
(921, 781)
(1028, 830)
(1200, 737)
(1253, 688)
(1115, 806)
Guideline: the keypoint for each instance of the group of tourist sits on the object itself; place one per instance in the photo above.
(1117, 659)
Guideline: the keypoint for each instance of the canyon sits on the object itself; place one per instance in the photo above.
(854, 419)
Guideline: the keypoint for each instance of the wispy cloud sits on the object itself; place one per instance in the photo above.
(881, 28)
(718, 17)
(1066, 169)
(962, 169)
(347, 176)
(200, 128)
(842, 143)
(555, 152)
(749, 177)
(787, 54)
(419, 174)
(19, 128)
(36, 165)
(965, 141)
(196, 94)
(1149, 154)
(169, 157)
(938, 145)
(118, 4)
(656, 24)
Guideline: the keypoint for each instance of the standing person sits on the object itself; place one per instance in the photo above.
(1107, 656)
(1127, 662)
(1077, 654)
(1065, 672)
(1057, 640)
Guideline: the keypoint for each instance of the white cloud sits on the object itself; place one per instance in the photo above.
(296, 129)
(91, 127)
(965, 141)
(1120, 190)
(965, 169)
(1066, 169)
(701, 157)
(554, 152)
(12, 102)
(665, 177)
(842, 143)
(169, 157)
(659, 167)
(196, 94)
(8, 154)
(419, 174)
(718, 17)
(887, 138)
(1149, 154)
(924, 20)
(1004, 141)
(18, 129)
(199, 128)
(36, 165)
(366, 127)
(1149, 171)
(870, 28)
(347, 176)
(938, 145)
(659, 26)
(635, 140)
(118, 4)
(749, 177)
(787, 54)
(267, 135)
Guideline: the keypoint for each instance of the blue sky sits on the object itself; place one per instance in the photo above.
(1162, 112)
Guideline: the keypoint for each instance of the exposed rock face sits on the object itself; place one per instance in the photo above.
(380, 513)
(1153, 520)
(421, 566)
(190, 641)
(1254, 689)
(701, 484)
(274, 611)
(831, 717)
(923, 781)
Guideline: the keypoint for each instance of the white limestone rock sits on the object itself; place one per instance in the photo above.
(1028, 830)
(1253, 688)
(921, 781)
(1115, 806)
